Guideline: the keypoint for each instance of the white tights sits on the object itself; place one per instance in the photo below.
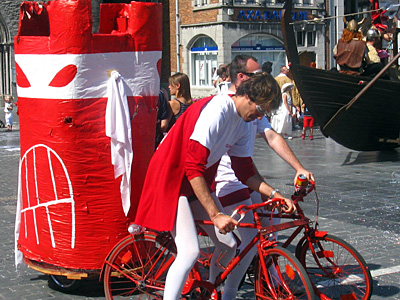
(187, 245)
(246, 234)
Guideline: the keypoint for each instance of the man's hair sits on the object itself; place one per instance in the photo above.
(183, 80)
(348, 35)
(239, 65)
(262, 89)
(267, 67)
(283, 68)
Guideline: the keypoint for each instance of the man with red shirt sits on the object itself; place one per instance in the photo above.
(185, 164)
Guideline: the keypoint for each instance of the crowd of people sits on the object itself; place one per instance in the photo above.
(361, 54)
(287, 117)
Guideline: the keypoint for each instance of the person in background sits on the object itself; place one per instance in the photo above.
(281, 120)
(267, 67)
(308, 122)
(8, 107)
(164, 115)
(350, 49)
(179, 86)
(223, 82)
(215, 76)
(374, 64)
(283, 77)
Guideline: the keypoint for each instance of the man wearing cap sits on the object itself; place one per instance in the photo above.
(185, 164)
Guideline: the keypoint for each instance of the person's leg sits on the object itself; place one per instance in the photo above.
(246, 235)
(187, 245)
(311, 125)
(224, 244)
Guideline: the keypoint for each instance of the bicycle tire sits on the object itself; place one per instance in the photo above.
(138, 265)
(337, 270)
(281, 277)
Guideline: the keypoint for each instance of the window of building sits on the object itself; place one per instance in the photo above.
(197, 3)
(306, 38)
(249, 2)
(304, 2)
(311, 38)
(5, 60)
(301, 38)
(264, 47)
(203, 61)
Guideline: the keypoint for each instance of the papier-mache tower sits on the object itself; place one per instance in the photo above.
(87, 109)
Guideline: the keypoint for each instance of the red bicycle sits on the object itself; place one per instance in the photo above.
(329, 267)
(139, 263)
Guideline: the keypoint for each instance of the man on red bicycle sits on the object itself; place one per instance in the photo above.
(185, 164)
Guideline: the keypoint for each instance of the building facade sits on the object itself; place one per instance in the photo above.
(207, 33)
(199, 35)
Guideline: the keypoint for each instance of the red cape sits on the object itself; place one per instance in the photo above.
(159, 200)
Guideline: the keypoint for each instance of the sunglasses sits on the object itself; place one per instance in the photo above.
(262, 111)
(251, 74)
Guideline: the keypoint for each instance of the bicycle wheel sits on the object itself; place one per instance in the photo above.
(336, 269)
(138, 266)
(279, 275)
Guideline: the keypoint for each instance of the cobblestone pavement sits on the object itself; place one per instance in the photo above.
(359, 202)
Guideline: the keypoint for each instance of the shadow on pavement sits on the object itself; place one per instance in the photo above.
(354, 158)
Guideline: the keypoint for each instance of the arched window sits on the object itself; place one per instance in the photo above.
(264, 47)
(5, 59)
(203, 61)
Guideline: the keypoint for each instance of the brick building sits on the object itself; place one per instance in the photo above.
(199, 35)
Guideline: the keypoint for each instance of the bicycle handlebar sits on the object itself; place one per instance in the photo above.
(243, 209)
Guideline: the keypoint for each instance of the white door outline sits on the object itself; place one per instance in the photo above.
(56, 201)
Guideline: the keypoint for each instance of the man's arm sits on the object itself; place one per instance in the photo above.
(195, 165)
(279, 145)
(247, 173)
(165, 122)
(223, 222)
(256, 183)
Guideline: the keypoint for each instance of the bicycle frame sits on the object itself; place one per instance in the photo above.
(260, 239)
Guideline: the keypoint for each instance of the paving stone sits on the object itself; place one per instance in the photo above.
(359, 202)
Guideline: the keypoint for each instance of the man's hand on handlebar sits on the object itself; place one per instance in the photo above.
(289, 206)
(224, 223)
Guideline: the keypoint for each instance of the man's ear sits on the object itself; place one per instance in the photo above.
(240, 77)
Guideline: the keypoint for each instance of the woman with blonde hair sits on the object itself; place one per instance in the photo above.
(179, 86)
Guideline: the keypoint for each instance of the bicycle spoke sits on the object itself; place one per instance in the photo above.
(138, 266)
(336, 269)
(280, 276)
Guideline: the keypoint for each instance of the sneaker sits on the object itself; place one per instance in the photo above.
(303, 136)
(290, 138)
(311, 137)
